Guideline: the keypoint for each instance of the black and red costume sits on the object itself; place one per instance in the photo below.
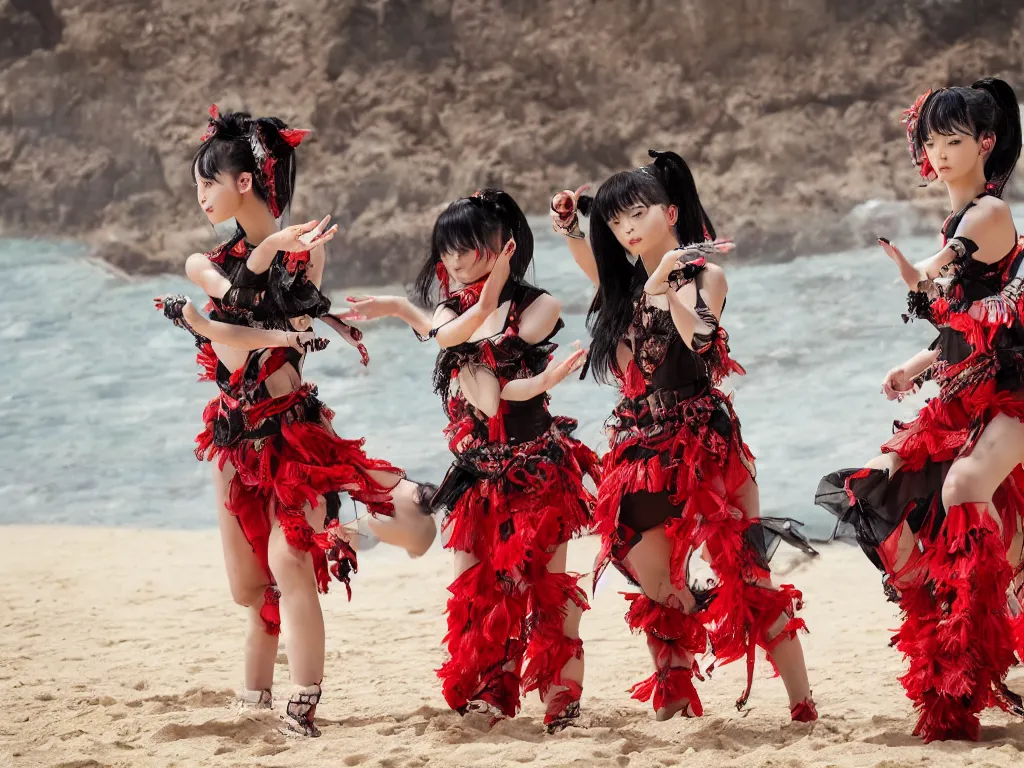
(513, 494)
(678, 458)
(957, 632)
(284, 449)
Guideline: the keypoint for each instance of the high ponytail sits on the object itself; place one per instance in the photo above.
(483, 222)
(988, 106)
(667, 181)
(1006, 126)
(237, 143)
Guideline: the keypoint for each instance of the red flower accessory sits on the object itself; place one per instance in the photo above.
(917, 154)
(211, 129)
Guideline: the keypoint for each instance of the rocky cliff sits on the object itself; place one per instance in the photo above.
(788, 110)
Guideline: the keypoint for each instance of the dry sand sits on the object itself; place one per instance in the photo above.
(122, 648)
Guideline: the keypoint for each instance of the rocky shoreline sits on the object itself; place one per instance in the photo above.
(788, 112)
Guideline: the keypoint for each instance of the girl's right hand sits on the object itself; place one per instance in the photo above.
(300, 238)
(557, 372)
(564, 217)
(896, 385)
(495, 283)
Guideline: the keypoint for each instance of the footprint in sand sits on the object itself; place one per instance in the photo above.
(242, 730)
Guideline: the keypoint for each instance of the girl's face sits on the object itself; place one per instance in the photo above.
(641, 227)
(221, 198)
(467, 266)
(957, 156)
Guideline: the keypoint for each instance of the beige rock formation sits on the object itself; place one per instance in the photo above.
(788, 111)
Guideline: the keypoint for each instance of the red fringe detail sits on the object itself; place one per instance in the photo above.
(804, 711)
(956, 631)
(668, 685)
(292, 469)
(671, 633)
(509, 609)
(271, 611)
(706, 476)
(561, 701)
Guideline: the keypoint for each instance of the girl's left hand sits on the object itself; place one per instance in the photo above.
(370, 307)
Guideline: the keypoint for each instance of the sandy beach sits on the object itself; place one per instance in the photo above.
(122, 648)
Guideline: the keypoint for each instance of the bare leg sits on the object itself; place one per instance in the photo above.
(650, 561)
(573, 669)
(248, 582)
(301, 616)
(976, 477)
(788, 655)
(411, 528)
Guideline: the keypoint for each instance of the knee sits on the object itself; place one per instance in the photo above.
(665, 590)
(963, 484)
(292, 569)
(248, 594)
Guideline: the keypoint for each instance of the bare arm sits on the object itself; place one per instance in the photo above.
(204, 273)
(460, 329)
(538, 321)
(565, 221)
(240, 337)
(315, 267)
(919, 363)
(988, 224)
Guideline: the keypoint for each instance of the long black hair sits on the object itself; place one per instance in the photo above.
(666, 181)
(237, 143)
(988, 106)
(482, 222)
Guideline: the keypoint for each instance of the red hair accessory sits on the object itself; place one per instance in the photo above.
(444, 280)
(294, 136)
(211, 129)
(917, 154)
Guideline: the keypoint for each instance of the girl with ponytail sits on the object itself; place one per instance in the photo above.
(939, 512)
(678, 477)
(514, 495)
(278, 465)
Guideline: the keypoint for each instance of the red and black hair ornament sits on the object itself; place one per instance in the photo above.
(917, 154)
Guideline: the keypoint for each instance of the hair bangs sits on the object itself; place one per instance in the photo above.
(211, 159)
(461, 227)
(625, 190)
(945, 113)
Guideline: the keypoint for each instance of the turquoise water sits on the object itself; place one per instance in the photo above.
(100, 402)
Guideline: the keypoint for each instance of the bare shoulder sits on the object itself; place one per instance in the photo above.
(196, 263)
(544, 304)
(989, 212)
(713, 278)
(443, 313)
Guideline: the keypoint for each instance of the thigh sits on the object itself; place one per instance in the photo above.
(650, 560)
(244, 569)
(999, 449)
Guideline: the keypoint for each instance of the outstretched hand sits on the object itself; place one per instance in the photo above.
(370, 307)
(557, 372)
(300, 238)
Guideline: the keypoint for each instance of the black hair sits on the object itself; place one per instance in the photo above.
(988, 106)
(229, 149)
(666, 181)
(483, 222)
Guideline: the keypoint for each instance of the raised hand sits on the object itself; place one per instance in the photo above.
(495, 283)
(300, 238)
(564, 215)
